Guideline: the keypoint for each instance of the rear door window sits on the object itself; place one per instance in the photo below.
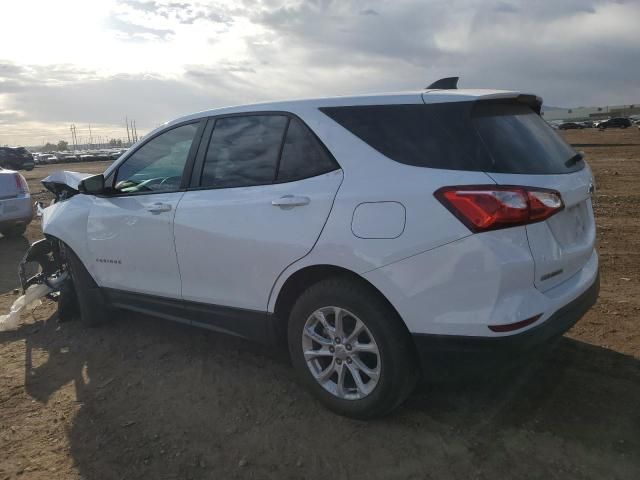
(302, 155)
(244, 151)
(505, 137)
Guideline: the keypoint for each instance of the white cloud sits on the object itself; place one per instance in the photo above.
(156, 59)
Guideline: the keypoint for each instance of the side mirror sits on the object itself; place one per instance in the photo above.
(92, 185)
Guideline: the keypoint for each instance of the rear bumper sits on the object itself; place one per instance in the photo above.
(16, 211)
(452, 355)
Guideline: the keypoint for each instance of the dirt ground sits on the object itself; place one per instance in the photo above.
(145, 398)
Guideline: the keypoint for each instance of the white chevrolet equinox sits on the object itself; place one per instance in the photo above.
(382, 237)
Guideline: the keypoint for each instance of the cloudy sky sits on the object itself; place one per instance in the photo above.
(93, 62)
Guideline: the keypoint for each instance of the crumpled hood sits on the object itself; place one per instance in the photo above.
(64, 177)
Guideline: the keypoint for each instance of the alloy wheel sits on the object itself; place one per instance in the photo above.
(341, 353)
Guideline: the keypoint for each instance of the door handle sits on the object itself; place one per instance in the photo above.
(159, 208)
(290, 201)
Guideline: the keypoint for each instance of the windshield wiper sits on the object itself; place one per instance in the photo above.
(573, 160)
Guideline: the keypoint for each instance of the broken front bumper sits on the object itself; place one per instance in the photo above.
(42, 254)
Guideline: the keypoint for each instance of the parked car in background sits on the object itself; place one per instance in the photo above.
(16, 210)
(380, 237)
(618, 122)
(68, 158)
(17, 158)
(570, 126)
(47, 158)
(587, 124)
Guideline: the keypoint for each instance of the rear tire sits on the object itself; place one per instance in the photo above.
(383, 349)
(91, 302)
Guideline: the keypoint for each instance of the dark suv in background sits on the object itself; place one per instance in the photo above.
(620, 122)
(16, 158)
(570, 126)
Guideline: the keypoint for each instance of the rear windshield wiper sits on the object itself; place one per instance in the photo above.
(573, 160)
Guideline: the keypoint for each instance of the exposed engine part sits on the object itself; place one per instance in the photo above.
(39, 208)
(48, 260)
(47, 256)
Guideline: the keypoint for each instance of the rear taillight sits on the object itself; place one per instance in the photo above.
(490, 207)
(21, 184)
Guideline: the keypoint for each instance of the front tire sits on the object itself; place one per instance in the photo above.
(350, 349)
(90, 299)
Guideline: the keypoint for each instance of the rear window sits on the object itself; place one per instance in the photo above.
(480, 136)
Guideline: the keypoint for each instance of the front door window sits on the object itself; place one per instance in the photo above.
(158, 165)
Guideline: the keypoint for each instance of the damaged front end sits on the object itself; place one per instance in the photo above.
(43, 273)
(45, 262)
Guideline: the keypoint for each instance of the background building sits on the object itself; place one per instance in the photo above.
(591, 113)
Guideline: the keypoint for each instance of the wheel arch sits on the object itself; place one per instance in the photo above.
(67, 222)
(64, 246)
(298, 281)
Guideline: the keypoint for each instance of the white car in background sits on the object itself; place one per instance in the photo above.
(16, 211)
(47, 158)
(380, 237)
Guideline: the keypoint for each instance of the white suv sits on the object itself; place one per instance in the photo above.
(382, 237)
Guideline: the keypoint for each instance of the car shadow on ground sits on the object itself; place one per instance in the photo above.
(10, 249)
(161, 400)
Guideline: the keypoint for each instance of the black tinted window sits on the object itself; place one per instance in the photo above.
(483, 136)
(436, 136)
(302, 155)
(158, 164)
(520, 141)
(243, 151)
(12, 153)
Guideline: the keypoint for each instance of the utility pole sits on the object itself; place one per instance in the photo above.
(74, 137)
(126, 120)
(135, 130)
(90, 137)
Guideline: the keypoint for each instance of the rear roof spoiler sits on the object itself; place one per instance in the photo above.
(451, 83)
(532, 101)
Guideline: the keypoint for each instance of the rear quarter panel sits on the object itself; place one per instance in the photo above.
(369, 176)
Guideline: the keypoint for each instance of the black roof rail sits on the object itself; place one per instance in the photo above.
(449, 83)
